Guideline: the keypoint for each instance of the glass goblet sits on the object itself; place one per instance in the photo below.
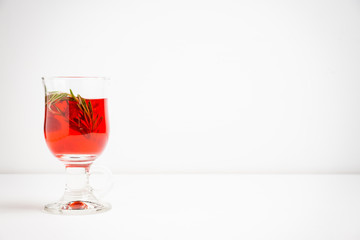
(76, 130)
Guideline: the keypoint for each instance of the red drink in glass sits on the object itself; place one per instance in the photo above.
(70, 131)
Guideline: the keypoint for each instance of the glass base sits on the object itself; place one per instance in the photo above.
(77, 207)
(78, 198)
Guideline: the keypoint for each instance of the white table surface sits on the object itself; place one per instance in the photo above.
(190, 206)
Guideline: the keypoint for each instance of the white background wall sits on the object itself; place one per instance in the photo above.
(209, 86)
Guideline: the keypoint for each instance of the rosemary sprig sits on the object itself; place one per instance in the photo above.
(85, 121)
(86, 112)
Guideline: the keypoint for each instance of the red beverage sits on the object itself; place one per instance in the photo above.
(75, 126)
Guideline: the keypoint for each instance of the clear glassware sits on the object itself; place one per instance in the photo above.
(76, 130)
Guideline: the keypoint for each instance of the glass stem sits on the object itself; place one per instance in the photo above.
(77, 183)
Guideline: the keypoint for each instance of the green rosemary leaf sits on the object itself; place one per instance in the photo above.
(83, 102)
(100, 120)
(95, 122)
(90, 108)
(72, 95)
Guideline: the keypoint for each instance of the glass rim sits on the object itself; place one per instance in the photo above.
(74, 77)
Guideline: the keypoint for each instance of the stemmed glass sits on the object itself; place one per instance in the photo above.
(76, 130)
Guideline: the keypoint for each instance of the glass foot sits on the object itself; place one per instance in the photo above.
(77, 207)
(78, 198)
